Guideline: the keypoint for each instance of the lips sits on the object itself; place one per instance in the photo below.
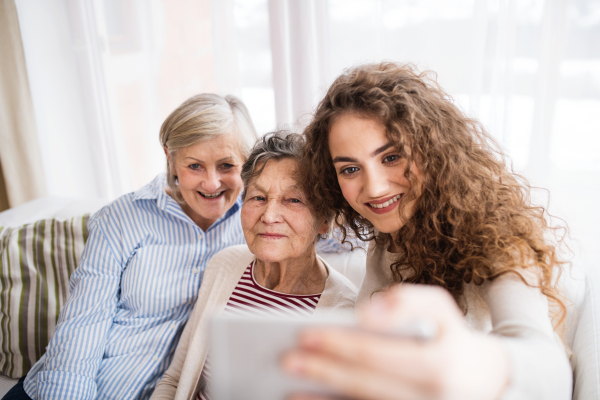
(211, 195)
(271, 235)
(384, 205)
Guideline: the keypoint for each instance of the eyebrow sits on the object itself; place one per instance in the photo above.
(262, 189)
(373, 154)
(222, 159)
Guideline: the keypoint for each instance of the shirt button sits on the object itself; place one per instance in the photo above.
(195, 270)
(173, 326)
(155, 358)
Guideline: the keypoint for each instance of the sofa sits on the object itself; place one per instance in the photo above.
(49, 233)
(40, 245)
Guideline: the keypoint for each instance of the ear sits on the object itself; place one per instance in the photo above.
(167, 153)
(324, 228)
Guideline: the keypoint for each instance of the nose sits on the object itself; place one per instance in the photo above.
(272, 212)
(212, 181)
(375, 183)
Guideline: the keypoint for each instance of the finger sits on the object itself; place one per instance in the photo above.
(312, 396)
(349, 379)
(404, 304)
(407, 359)
(307, 396)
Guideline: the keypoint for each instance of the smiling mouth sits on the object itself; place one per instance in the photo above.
(387, 203)
(211, 195)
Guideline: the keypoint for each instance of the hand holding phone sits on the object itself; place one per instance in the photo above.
(246, 353)
(378, 362)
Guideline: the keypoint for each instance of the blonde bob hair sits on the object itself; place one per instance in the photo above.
(201, 118)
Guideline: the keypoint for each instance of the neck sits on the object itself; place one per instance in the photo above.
(299, 276)
(203, 223)
(393, 247)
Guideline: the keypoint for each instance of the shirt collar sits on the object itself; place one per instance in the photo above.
(153, 190)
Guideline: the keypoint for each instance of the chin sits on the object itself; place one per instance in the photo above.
(213, 209)
(268, 254)
(387, 228)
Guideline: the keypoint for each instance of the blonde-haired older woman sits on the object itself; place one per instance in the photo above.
(278, 273)
(143, 264)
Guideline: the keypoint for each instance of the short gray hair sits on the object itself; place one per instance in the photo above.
(277, 145)
(201, 118)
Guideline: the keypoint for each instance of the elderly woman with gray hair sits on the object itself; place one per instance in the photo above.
(278, 272)
(142, 267)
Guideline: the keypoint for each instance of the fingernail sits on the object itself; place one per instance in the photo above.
(296, 396)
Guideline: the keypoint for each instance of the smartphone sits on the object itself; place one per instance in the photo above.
(245, 354)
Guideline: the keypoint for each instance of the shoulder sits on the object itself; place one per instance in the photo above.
(229, 260)
(129, 206)
(339, 291)
(378, 273)
(233, 254)
(518, 283)
(112, 215)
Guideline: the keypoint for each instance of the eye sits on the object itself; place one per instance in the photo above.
(391, 158)
(227, 166)
(194, 166)
(349, 171)
(295, 201)
(257, 198)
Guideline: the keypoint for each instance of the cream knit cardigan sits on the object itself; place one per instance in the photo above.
(222, 274)
(510, 310)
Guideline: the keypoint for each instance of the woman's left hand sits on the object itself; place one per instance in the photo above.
(374, 364)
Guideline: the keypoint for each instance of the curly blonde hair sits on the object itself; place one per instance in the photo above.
(473, 217)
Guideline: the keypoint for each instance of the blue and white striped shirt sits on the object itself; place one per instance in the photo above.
(134, 290)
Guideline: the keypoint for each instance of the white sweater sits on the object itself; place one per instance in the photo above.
(508, 308)
(222, 274)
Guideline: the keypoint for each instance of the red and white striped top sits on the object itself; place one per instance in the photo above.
(249, 298)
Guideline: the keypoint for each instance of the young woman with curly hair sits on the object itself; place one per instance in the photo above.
(401, 166)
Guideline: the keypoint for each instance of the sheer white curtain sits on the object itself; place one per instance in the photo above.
(105, 73)
(528, 69)
(80, 152)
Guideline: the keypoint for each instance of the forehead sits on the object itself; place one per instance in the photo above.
(354, 133)
(212, 149)
(277, 175)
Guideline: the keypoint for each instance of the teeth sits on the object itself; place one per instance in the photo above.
(211, 196)
(387, 203)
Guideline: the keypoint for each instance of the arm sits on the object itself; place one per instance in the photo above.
(74, 353)
(220, 278)
(540, 367)
(376, 363)
(167, 386)
(520, 360)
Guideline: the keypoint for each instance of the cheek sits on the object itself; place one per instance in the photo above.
(350, 190)
(304, 224)
(246, 220)
(397, 175)
(249, 216)
(234, 181)
(187, 180)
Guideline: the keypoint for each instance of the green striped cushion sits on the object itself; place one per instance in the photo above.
(36, 261)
